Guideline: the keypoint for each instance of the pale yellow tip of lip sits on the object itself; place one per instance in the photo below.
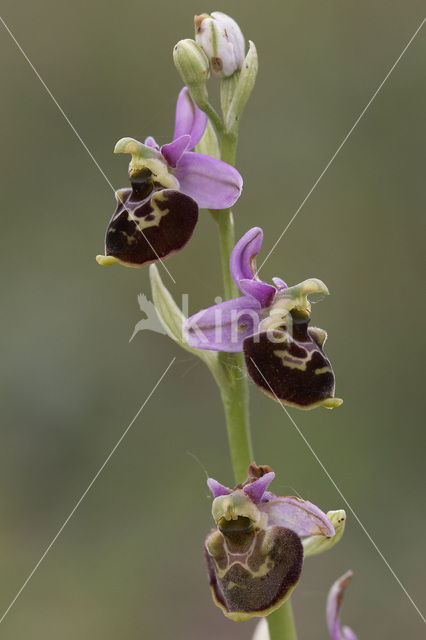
(106, 260)
(332, 403)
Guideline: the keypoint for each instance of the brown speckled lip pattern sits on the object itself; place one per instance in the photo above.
(232, 571)
(167, 220)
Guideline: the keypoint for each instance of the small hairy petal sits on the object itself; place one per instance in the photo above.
(217, 489)
(300, 516)
(224, 326)
(334, 602)
(150, 142)
(243, 257)
(173, 151)
(262, 291)
(256, 489)
(280, 284)
(189, 119)
(212, 183)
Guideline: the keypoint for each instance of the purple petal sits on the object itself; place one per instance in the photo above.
(243, 257)
(262, 291)
(212, 183)
(173, 150)
(256, 489)
(334, 602)
(189, 120)
(280, 284)
(217, 489)
(224, 326)
(301, 516)
(150, 142)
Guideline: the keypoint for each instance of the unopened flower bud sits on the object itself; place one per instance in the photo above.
(193, 66)
(223, 42)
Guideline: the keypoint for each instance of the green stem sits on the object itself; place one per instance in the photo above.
(225, 224)
(235, 396)
(235, 404)
(213, 115)
(281, 623)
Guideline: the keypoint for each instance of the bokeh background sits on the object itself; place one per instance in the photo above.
(129, 562)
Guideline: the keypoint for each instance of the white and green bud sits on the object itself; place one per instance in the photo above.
(221, 39)
(193, 66)
(243, 88)
(313, 545)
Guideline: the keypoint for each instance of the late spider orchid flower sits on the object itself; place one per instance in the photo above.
(255, 554)
(284, 357)
(334, 602)
(157, 215)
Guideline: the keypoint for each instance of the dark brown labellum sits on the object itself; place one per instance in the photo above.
(291, 367)
(252, 572)
(148, 225)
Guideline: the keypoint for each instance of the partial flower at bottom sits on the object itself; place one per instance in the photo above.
(334, 602)
(255, 553)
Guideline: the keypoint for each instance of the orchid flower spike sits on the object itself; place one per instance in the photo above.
(334, 602)
(157, 215)
(255, 553)
(269, 323)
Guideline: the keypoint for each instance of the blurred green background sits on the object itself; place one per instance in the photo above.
(129, 564)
